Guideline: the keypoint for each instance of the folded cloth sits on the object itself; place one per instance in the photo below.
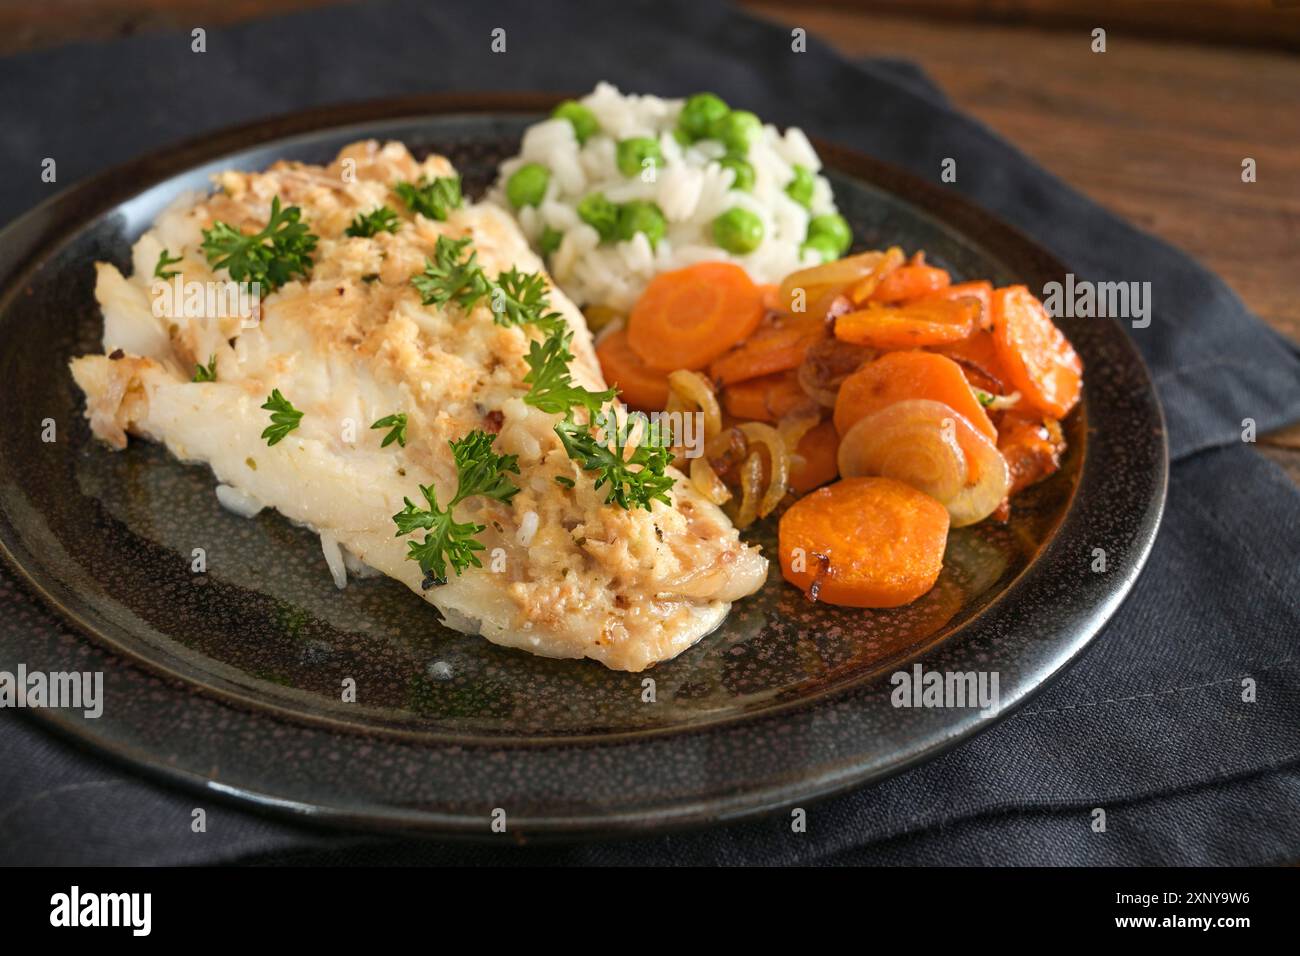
(1149, 726)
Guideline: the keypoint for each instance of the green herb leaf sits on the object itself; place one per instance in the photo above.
(366, 224)
(397, 422)
(481, 471)
(206, 373)
(519, 298)
(446, 540)
(611, 465)
(165, 259)
(284, 417)
(448, 278)
(552, 389)
(433, 198)
(271, 257)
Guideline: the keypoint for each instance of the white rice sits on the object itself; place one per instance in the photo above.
(691, 189)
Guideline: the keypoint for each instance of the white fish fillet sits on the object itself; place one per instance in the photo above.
(574, 578)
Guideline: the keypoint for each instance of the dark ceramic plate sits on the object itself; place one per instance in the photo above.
(230, 681)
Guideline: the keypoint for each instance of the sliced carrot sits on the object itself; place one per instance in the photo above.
(864, 542)
(980, 290)
(778, 345)
(909, 326)
(978, 358)
(912, 281)
(639, 386)
(688, 317)
(900, 376)
(1032, 448)
(765, 399)
(814, 461)
(1038, 358)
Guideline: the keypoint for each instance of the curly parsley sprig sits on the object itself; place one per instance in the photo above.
(519, 298)
(367, 224)
(433, 198)
(397, 423)
(279, 252)
(479, 471)
(449, 278)
(206, 373)
(634, 480)
(166, 259)
(284, 417)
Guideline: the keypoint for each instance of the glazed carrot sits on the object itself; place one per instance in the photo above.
(978, 357)
(638, 386)
(1038, 358)
(766, 398)
(980, 290)
(814, 462)
(778, 345)
(688, 317)
(1031, 446)
(864, 542)
(912, 281)
(900, 376)
(909, 326)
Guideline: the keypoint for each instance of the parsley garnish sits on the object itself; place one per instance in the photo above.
(165, 259)
(519, 298)
(552, 386)
(284, 417)
(448, 279)
(552, 390)
(366, 224)
(397, 423)
(206, 373)
(433, 198)
(608, 462)
(480, 471)
(271, 257)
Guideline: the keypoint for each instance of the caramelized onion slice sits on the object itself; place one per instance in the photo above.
(932, 448)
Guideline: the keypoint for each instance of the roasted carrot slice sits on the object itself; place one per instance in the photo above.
(778, 345)
(638, 386)
(1031, 446)
(978, 358)
(912, 281)
(900, 376)
(981, 291)
(814, 461)
(765, 399)
(688, 317)
(864, 542)
(1038, 358)
(909, 326)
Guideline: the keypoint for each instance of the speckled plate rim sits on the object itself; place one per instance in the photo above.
(44, 229)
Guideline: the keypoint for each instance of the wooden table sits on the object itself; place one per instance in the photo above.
(1154, 130)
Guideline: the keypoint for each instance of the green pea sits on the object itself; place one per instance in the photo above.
(833, 226)
(699, 114)
(638, 153)
(599, 213)
(744, 180)
(550, 240)
(527, 186)
(737, 131)
(643, 216)
(800, 189)
(738, 230)
(582, 120)
(825, 247)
